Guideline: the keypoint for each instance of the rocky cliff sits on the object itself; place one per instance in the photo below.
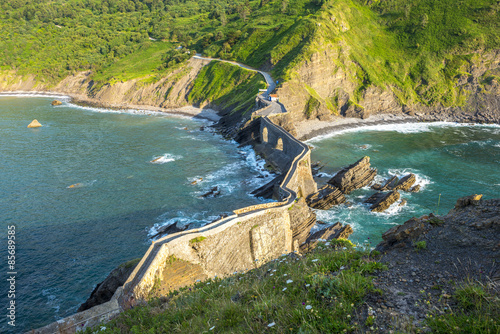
(169, 92)
(431, 257)
(325, 85)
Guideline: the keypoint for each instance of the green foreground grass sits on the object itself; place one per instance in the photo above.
(320, 292)
(316, 293)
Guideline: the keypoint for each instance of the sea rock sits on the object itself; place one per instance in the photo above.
(214, 192)
(56, 103)
(171, 229)
(267, 190)
(106, 289)
(382, 201)
(354, 176)
(403, 202)
(390, 184)
(325, 198)
(406, 182)
(415, 189)
(336, 231)
(34, 124)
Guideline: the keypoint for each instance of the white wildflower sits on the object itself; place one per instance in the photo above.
(283, 289)
(308, 307)
(289, 281)
(271, 324)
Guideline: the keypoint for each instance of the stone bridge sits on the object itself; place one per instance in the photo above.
(247, 239)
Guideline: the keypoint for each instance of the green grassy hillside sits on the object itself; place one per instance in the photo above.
(416, 48)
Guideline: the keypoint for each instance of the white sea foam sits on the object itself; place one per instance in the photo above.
(256, 163)
(181, 221)
(34, 94)
(420, 178)
(52, 300)
(401, 128)
(163, 159)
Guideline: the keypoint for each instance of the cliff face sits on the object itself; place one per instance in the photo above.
(326, 84)
(169, 92)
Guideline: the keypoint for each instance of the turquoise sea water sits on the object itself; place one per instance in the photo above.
(70, 238)
(449, 160)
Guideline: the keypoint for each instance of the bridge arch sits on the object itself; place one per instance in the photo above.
(265, 135)
(279, 144)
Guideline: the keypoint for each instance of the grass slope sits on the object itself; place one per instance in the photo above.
(416, 48)
(227, 86)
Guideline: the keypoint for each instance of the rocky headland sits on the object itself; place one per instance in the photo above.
(428, 259)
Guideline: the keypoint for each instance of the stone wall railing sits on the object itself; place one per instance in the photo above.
(248, 238)
(240, 225)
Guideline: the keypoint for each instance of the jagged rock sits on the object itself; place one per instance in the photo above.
(106, 289)
(415, 189)
(390, 184)
(34, 124)
(214, 192)
(56, 103)
(325, 198)
(170, 229)
(303, 219)
(316, 168)
(403, 202)
(406, 182)
(409, 230)
(469, 200)
(267, 190)
(382, 201)
(336, 231)
(377, 186)
(354, 176)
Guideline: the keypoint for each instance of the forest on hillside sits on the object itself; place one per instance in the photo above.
(416, 42)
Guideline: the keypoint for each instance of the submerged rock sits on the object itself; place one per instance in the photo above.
(214, 192)
(325, 198)
(354, 176)
(34, 124)
(382, 201)
(56, 103)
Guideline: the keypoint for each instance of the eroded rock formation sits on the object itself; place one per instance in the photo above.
(382, 201)
(354, 176)
(325, 198)
(336, 231)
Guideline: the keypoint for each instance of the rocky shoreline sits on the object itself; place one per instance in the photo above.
(308, 133)
(80, 100)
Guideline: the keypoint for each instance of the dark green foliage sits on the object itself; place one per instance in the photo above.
(52, 39)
